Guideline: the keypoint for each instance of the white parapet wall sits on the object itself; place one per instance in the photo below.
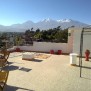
(46, 47)
(77, 40)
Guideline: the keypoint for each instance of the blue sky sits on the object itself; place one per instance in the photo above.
(19, 11)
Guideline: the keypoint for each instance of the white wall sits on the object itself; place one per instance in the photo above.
(73, 44)
(76, 41)
(70, 40)
(46, 47)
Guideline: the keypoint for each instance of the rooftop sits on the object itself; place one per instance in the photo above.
(47, 74)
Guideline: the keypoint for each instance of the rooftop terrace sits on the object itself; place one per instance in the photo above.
(50, 74)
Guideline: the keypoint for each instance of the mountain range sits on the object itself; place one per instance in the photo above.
(42, 25)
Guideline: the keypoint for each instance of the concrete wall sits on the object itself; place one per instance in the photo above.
(76, 40)
(46, 47)
(73, 44)
(70, 40)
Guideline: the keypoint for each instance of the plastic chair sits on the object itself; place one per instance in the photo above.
(3, 79)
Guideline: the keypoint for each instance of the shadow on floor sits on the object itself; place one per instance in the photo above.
(83, 67)
(86, 67)
(86, 78)
(36, 60)
(25, 69)
(11, 68)
(10, 63)
(13, 88)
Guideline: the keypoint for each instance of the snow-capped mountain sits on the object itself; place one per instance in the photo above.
(42, 25)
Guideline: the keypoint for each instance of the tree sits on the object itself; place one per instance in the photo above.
(59, 28)
(32, 29)
(38, 30)
(27, 33)
(55, 34)
(4, 35)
